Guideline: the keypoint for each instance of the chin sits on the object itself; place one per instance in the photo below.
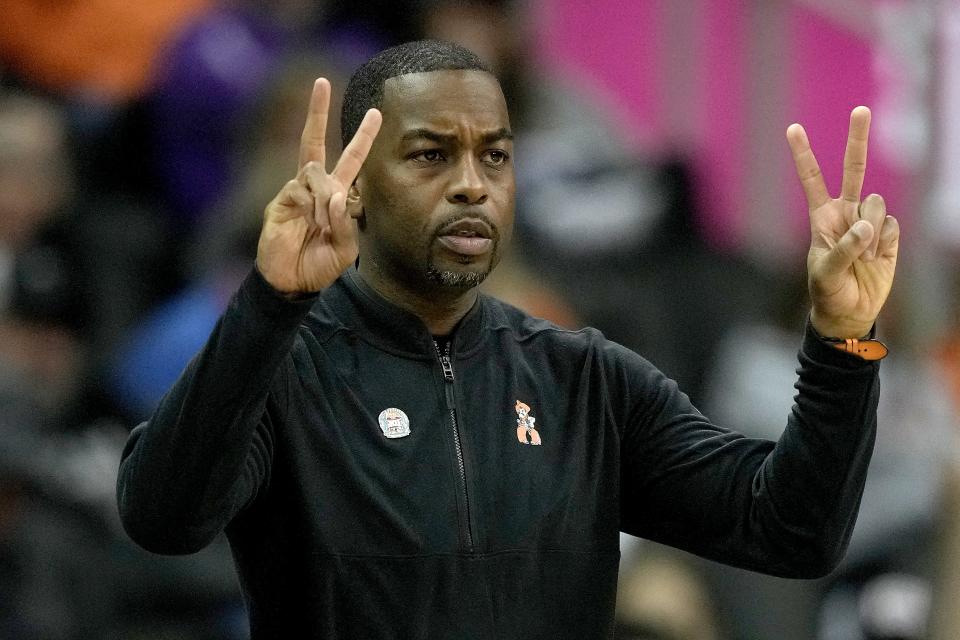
(456, 278)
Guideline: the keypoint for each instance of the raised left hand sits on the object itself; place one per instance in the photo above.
(853, 244)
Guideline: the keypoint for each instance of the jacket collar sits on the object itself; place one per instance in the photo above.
(359, 308)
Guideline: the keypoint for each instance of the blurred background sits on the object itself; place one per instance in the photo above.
(139, 143)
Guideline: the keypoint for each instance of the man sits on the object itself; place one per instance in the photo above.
(354, 431)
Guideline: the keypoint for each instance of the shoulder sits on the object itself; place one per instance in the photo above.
(328, 315)
(504, 317)
(522, 327)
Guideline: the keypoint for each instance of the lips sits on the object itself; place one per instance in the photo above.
(468, 237)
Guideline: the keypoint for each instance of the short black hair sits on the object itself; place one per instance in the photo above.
(365, 89)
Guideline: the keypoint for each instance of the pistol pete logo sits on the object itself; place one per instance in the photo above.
(526, 433)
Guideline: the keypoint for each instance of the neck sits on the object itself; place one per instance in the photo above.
(439, 308)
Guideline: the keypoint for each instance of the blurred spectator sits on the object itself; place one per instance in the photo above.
(97, 50)
(70, 274)
(35, 171)
(662, 597)
(750, 389)
(947, 354)
(212, 69)
(945, 615)
(205, 81)
(40, 312)
(75, 269)
(877, 604)
(41, 359)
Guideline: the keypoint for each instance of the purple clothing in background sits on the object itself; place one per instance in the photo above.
(208, 77)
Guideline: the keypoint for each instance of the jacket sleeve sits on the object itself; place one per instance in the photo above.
(785, 508)
(207, 449)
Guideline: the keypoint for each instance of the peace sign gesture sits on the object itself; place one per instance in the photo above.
(308, 239)
(853, 245)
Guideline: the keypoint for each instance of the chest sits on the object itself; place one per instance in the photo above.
(490, 451)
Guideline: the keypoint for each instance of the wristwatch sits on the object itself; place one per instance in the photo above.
(867, 347)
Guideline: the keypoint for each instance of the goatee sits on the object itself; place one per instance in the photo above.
(456, 279)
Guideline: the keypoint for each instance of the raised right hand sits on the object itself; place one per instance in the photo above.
(308, 239)
(853, 244)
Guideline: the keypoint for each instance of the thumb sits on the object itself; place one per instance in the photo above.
(850, 247)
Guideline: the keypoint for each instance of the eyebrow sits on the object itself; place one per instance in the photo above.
(445, 138)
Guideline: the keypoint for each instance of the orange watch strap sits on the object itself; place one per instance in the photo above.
(867, 349)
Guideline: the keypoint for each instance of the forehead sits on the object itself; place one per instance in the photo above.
(444, 99)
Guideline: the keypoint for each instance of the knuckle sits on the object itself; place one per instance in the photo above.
(320, 187)
(293, 193)
(302, 199)
(310, 134)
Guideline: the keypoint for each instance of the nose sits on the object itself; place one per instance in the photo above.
(468, 185)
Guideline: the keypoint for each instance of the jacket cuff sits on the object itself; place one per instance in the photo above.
(817, 350)
(266, 301)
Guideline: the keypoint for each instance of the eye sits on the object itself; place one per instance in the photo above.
(428, 156)
(496, 157)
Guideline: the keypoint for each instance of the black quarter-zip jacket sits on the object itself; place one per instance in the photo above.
(462, 528)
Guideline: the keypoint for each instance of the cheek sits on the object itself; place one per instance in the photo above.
(506, 203)
(399, 219)
(401, 189)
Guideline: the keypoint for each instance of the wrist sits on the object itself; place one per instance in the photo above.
(291, 296)
(865, 347)
(840, 330)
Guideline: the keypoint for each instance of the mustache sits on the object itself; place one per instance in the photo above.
(468, 214)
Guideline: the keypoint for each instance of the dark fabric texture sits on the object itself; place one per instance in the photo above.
(272, 434)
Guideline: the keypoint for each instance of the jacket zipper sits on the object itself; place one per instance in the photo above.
(447, 366)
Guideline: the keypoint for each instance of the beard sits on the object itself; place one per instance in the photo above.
(466, 279)
(457, 279)
(469, 277)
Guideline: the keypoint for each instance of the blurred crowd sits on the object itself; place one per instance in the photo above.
(139, 143)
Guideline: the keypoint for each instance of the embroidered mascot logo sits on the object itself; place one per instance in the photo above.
(526, 434)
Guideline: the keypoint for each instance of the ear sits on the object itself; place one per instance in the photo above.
(354, 205)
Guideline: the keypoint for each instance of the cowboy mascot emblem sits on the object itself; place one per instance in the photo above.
(526, 433)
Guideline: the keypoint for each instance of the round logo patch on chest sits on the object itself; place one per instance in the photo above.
(394, 423)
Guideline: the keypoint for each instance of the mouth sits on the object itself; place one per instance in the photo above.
(467, 237)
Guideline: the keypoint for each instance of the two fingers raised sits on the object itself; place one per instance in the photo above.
(854, 161)
(863, 241)
(312, 164)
